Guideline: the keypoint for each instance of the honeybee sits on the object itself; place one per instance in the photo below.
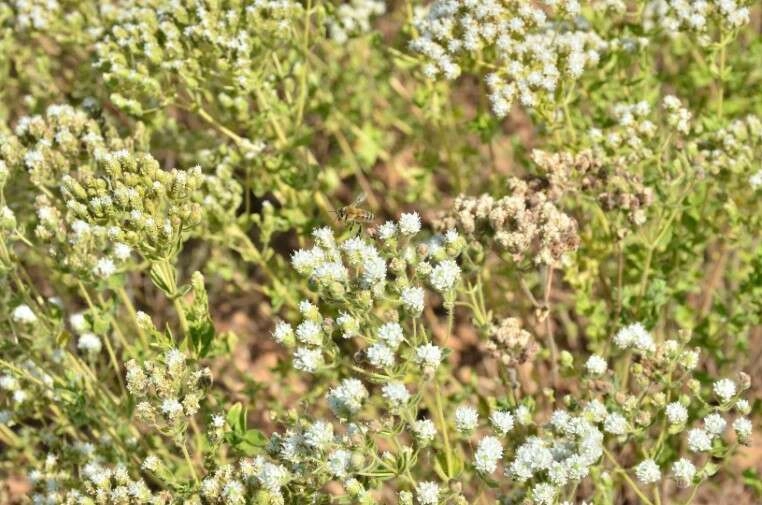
(354, 214)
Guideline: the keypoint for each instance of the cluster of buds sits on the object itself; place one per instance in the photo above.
(615, 186)
(167, 392)
(510, 344)
(526, 223)
(101, 198)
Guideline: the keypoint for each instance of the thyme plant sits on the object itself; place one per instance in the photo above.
(549, 294)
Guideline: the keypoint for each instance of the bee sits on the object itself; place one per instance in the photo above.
(354, 214)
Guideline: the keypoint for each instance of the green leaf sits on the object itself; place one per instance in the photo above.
(236, 418)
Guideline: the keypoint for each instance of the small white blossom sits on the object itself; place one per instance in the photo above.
(395, 393)
(387, 230)
(676, 413)
(410, 223)
(380, 355)
(424, 430)
(466, 418)
(171, 408)
(725, 389)
(502, 421)
(319, 435)
(23, 314)
(684, 471)
(615, 424)
(715, 424)
(347, 397)
(122, 251)
(391, 333)
(104, 268)
(89, 343)
(689, 359)
(151, 463)
(272, 477)
(742, 406)
(444, 276)
(595, 410)
(648, 472)
(338, 462)
(742, 426)
(596, 365)
(308, 360)
(324, 237)
(78, 322)
(488, 452)
(428, 355)
(309, 310)
(309, 332)
(348, 324)
(427, 493)
(523, 415)
(233, 493)
(699, 440)
(755, 181)
(636, 336)
(282, 332)
(412, 299)
(544, 493)
(9, 383)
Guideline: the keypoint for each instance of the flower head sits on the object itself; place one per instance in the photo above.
(648, 472)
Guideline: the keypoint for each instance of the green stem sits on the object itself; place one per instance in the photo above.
(125, 299)
(178, 304)
(188, 460)
(443, 426)
(223, 129)
(106, 340)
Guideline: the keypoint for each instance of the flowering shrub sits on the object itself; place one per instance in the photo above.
(550, 293)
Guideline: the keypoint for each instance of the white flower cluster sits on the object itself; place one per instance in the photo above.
(347, 398)
(635, 336)
(352, 18)
(678, 116)
(648, 472)
(230, 484)
(169, 391)
(697, 17)
(329, 263)
(98, 481)
(488, 453)
(530, 53)
(88, 341)
(563, 455)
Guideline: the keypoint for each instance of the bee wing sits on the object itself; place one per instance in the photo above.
(360, 198)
